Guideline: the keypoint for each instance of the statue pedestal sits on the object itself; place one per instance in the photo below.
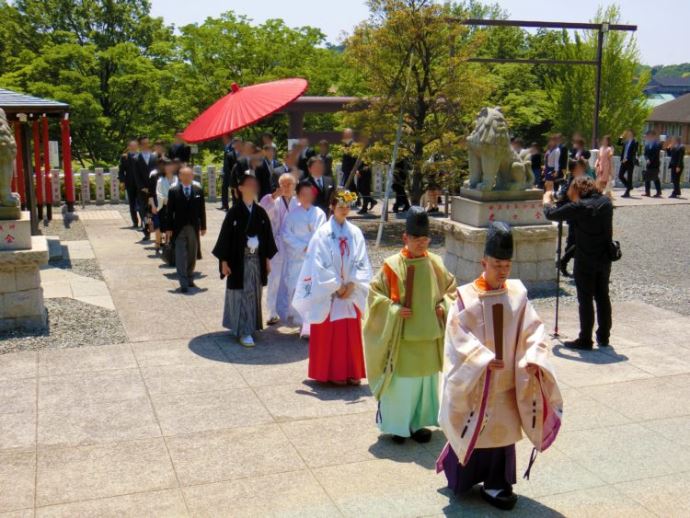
(516, 208)
(15, 234)
(534, 238)
(21, 257)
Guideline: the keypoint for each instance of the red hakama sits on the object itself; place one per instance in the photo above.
(335, 350)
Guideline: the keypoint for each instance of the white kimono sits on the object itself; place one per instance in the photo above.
(297, 231)
(490, 409)
(336, 256)
(277, 299)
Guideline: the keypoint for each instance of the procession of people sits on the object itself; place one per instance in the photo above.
(471, 360)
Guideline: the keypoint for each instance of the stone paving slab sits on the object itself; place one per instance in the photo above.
(182, 421)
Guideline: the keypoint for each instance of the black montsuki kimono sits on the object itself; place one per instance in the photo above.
(238, 225)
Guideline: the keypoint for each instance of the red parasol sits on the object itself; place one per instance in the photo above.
(242, 107)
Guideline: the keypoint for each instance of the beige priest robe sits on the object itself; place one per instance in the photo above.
(489, 409)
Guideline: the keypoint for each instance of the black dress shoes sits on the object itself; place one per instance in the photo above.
(505, 500)
(421, 436)
(578, 344)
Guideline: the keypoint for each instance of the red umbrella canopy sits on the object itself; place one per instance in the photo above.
(242, 107)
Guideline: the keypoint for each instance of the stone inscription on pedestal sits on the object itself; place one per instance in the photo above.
(481, 214)
(15, 234)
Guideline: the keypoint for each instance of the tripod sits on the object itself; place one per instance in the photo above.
(558, 278)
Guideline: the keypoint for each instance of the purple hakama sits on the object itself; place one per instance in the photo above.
(494, 467)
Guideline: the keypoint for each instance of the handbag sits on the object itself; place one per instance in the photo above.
(615, 251)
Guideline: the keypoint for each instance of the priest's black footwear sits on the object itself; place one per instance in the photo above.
(505, 500)
(398, 439)
(578, 344)
(421, 436)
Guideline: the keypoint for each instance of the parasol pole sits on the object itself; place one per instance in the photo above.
(394, 159)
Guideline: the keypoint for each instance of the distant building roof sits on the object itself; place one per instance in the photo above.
(670, 81)
(675, 85)
(15, 102)
(676, 111)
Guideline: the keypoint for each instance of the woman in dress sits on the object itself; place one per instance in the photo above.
(604, 166)
(244, 249)
(299, 227)
(331, 296)
(163, 186)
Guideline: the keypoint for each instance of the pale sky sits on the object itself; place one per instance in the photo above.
(662, 24)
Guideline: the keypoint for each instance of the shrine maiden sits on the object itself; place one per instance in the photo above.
(331, 296)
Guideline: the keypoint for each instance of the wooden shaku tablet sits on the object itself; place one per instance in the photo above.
(497, 313)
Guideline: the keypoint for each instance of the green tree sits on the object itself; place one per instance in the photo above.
(571, 88)
(106, 59)
(229, 48)
(408, 55)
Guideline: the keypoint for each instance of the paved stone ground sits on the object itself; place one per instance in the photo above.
(181, 421)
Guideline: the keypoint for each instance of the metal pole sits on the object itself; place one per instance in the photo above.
(396, 145)
(603, 29)
(389, 176)
(558, 278)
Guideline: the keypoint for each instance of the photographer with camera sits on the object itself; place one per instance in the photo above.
(576, 168)
(592, 214)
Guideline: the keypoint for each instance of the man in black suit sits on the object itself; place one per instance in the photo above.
(180, 149)
(126, 174)
(242, 164)
(325, 155)
(363, 180)
(652, 151)
(677, 153)
(187, 221)
(145, 162)
(267, 172)
(324, 185)
(628, 159)
(305, 153)
(349, 159)
(230, 156)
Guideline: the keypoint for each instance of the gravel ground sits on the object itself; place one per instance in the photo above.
(86, 267)
(655, 267)
(70, 324)
(391, 241)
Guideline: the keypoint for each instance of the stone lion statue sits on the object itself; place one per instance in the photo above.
(493, 164)
(8, 153)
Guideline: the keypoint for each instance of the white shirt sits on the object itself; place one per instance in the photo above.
(298, 229)
(553, 158)
(162, 189)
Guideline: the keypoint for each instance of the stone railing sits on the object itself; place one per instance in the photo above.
(101, 185)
